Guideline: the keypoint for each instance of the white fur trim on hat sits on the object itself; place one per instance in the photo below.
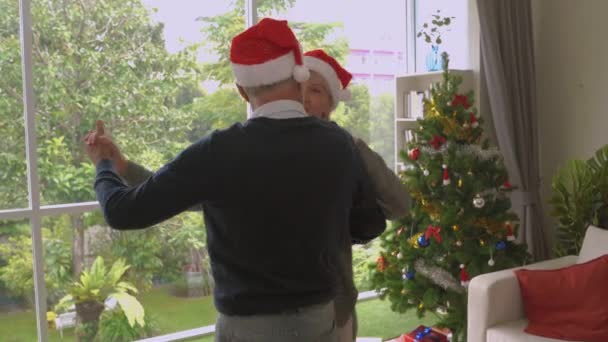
(329, 74)
(301, 73)
(269, 72)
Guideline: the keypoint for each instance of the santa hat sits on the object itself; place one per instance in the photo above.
(464, 276)
(336, 76)
(446, 175)
(267, 53)
(510, 235)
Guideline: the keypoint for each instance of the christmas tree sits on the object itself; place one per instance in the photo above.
(460, 224)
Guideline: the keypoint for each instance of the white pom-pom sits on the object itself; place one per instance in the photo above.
(491, 262)
(301, 73)
(461, 266)
(345, 95)
(475, 124)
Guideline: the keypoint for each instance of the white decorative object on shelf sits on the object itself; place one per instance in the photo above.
(410, 90)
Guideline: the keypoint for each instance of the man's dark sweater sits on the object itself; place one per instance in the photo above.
(278, 197)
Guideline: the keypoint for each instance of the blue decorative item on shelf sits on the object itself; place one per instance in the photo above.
(433, 59)
(431, 32)
(423, 241)
(500, 245)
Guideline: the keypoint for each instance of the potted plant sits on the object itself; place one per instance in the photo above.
(580, 198)
(432, 35)
(95, 286)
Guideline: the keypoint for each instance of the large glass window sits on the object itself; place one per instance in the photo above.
(369, 46)
(13, 181)
(159, 75)
(124, 62)
(17, 303)
(167, 265)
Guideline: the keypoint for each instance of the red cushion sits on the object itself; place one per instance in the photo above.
(570, 303)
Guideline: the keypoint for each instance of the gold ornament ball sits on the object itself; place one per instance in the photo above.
(421, 306)
(460, 183)
(404, 292)
(455, 227)
(482, 243)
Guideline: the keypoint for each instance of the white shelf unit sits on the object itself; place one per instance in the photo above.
(408, 103)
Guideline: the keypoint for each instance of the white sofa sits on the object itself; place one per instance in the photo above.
(495, 308)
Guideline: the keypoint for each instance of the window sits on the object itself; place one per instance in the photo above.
(16, 281)
(151, 70)
(366, 45)
(13, 180)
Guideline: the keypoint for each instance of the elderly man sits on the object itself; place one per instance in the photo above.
(280, 193)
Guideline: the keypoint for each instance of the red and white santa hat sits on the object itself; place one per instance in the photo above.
(336, 76)
(267, 53)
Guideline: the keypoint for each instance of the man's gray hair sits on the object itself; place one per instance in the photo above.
(259, 90)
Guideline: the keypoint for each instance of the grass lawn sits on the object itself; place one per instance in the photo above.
(173, 314)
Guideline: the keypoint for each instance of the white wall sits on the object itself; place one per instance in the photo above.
(571, 46)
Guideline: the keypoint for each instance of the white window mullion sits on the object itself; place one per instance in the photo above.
(251, 13)
(410, 23)
(25, 15)
(71, 209)
(251, 18)
(15, 214)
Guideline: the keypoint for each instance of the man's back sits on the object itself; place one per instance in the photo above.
(280, 196)
(273, 232)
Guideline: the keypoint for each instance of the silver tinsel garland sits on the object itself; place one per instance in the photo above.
(438, 276)
(464, 150)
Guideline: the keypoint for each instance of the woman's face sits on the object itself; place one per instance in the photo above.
(317, 98)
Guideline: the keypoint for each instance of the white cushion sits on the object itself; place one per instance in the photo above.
(514, 331)
(595, 244)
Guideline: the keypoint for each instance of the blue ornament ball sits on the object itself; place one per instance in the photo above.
(422, 241)
(409, 275)
(500, 245)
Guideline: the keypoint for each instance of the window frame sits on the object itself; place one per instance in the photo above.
(35, 212)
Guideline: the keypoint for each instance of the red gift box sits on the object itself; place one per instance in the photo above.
(432, 335)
